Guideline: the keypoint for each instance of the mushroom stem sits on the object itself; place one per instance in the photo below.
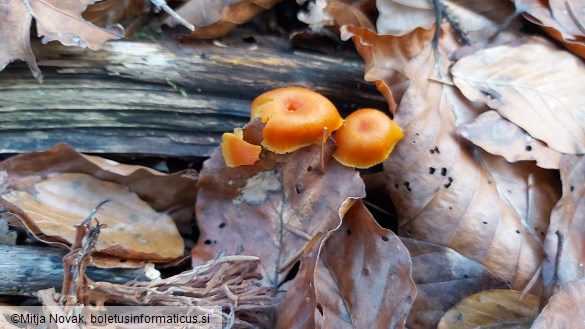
(323, 140)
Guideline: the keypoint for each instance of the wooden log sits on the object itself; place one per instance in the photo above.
(26, 269)
(121, 99)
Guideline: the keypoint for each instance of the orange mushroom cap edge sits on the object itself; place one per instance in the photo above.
(236, 151)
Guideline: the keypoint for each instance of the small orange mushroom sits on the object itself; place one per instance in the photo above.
(236, 151)
(366, 138)
(295, 117)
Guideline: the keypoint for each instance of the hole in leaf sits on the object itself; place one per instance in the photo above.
(528, 148)
(407, 185)
(466, 276)
(310, 168)
(385, 238)
(320, 308)
(485, 222)
(366, 271)
(299, 188)
(449, 181)
(123, 260)
(431, 170)
(207, 242)
(572, 188)
(443, 171)
(435, 150)
(348, 232)
(222, 225)
(450, 208)
(517, 231)
(292, 273)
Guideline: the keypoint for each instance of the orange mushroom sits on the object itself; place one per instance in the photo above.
(236, 151)
(295, 117)
(366, 138)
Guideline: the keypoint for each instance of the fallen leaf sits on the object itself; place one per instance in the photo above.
(174, 193)
(15, 36)
(498, 136)
(215, 19)
(543, 99)
(570, 15)
(273, 208)
(62, 21)
(386, 56)
(401, 17)
(133, 231)
(564, 309)
(443, 277)
(322, 13)
(565, 240)
(444, 195)
(497, 308)
(370, 268)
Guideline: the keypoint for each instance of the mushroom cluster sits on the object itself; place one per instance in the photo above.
(296, 117)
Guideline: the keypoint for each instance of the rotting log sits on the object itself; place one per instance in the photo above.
(26, 269)
(121, 99)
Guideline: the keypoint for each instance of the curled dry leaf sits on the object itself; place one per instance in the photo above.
(358, 278)
(445, 195)
(62, 21)
(273, 208)
(565, 240)
(542, 99)
(153, 192)
(497, 308)
(321, 13)
(564, 309)
(214, 19)
(133, 229)
(498, 136)
(563, 20)
(386, 56)
(15, 36)
(398, 17)
(443, 277)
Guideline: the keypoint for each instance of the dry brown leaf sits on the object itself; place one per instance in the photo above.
(273, 208)
(564, 309)
(15, 36)
(370, 268)
(565, 240)
(444, 193)
(386, 57)
(61, 20)
(443, 277)
(498, 136)
(174, 193)
(322, 13)
(398, 17)
(215, 19)
(133, 231)
(497, 308)
(545, 100)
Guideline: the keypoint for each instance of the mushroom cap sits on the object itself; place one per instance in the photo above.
(236, 151)
(366, 138)
(295, 117)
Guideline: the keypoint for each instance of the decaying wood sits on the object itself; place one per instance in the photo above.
(26, 269)
(127, 99)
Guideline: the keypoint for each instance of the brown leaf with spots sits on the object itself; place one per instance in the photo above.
(273, 208)
(564, 309)
(545, 100)
(215, 19)
(498, 136)
(443, 277)
(15, 36)
(449, 194)
(361, 279)
(497, 308)
(565, 241)
(386, 57)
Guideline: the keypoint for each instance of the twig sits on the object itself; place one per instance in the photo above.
(162, 4)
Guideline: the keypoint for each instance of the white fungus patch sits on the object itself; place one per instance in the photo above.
(257, 188)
